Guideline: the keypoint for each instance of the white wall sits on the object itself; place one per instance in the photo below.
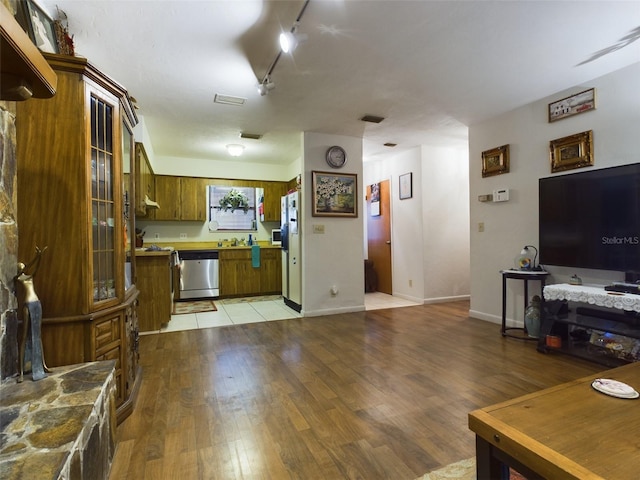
(336, 256)
(430, 231)
(511, 225)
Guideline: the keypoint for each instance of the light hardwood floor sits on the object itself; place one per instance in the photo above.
(381, 394)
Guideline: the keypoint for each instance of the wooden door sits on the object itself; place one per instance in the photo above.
(379, 236)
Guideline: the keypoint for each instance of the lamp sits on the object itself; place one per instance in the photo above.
(524, 261)
(235, 150)
(290, 40)
(266, 86)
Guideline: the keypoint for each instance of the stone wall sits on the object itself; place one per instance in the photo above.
(8, 241)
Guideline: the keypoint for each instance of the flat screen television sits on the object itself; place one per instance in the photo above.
(591, 219)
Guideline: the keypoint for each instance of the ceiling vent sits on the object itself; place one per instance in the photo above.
(229, 100)
(389, 144)
(251, 136)
(372, 119)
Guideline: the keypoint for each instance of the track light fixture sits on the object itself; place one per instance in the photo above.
(266, 86)
(291, 41)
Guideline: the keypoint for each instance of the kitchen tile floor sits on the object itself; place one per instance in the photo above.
(238, 311)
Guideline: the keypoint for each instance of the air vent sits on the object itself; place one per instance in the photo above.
(229, 100)
(389, 144)
(251, 136)
(372, 119)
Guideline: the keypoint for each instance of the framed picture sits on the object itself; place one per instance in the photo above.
(334, 194)
(574, 151)
(38, 25)
(406, 186)
(573, 105)
(495, 161)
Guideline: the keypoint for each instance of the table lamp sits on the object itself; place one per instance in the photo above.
(524, 261)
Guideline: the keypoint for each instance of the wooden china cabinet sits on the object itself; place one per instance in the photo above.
(73, 151)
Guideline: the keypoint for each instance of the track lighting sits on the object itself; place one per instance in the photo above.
(265, 86)
(290, 40)
(235, 150)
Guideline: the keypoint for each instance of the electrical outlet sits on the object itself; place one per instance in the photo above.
(411, 283)
(481, 227)
(156, 236)
(183, 236)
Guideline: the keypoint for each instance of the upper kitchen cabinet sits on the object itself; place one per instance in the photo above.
(181, 198)
(145, 185)
(273, 191)
(70, 151)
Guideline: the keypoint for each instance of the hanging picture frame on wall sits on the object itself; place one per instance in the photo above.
(406, 186)
(375, 200)
(334, 194)
(495, 161)
(38, 25)
(574, 151)
(572, 105)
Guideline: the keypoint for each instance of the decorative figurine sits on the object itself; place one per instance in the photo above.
(30, 350)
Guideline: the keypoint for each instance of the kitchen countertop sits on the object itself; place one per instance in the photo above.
(208, 246)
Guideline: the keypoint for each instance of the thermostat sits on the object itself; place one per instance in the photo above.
(501, 195)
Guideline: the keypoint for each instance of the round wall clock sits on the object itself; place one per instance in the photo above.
(336, 157)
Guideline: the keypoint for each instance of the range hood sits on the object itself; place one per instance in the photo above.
(150, 203)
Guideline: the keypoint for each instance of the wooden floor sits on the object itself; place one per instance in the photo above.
(382, 394)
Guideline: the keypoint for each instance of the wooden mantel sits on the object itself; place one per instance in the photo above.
(24, 71)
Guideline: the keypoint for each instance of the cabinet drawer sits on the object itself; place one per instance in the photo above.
(113, 354)
(106, 332)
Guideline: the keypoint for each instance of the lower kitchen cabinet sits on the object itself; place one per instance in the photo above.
(154, 272)
(239, 278)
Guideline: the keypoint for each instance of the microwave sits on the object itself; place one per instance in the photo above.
(276, 236)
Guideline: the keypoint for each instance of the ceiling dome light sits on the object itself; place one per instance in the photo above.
(290, 40)
(235, 150)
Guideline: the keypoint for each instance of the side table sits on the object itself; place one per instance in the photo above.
(524, 275)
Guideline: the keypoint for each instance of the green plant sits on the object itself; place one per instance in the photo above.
(234, 200)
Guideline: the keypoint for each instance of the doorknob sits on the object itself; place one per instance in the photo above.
(388, 242)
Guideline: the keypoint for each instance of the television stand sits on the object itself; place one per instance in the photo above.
(600, 325)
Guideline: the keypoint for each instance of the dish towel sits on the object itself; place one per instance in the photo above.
(255, 256)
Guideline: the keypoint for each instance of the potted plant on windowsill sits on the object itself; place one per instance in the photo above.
(234, 200)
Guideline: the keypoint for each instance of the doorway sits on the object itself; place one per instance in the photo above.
(379, 234)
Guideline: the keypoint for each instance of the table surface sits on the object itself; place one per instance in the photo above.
(569, 431)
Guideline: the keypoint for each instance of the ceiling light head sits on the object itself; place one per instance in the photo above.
(235, 150)
(265, 87)
(290, 40)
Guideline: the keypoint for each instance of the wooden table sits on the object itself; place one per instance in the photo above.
(570, 431)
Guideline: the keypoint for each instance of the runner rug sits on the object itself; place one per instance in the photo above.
(193, 306)
(462, 470)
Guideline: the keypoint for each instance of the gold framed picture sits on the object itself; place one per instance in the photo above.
(495, 161)
(334, 194)
(574, 151)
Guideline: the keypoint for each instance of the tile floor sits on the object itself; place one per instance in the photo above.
(237, 312)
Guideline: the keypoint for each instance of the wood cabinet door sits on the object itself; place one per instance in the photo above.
(273, 191)
(193, 199)
(168, 197)
(270, 271)
(144, 180)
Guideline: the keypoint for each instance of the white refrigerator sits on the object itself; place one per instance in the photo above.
(291, 255)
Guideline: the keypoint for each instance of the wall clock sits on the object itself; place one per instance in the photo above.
(336, 157)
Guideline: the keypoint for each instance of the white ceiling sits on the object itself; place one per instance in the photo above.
(431, 68)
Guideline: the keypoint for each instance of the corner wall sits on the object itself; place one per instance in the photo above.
(510, 225)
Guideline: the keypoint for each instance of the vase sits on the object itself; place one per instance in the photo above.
(532, 317)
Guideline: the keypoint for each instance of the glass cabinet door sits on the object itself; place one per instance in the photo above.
(102, 199)
(128, 198)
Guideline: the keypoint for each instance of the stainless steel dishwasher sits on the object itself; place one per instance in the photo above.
(198, 274)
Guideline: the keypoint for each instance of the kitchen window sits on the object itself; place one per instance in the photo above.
(232, 208)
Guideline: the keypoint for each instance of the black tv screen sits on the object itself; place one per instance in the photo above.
(591, 219)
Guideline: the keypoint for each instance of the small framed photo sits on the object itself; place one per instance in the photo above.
(406, 186)
(574, 151)
(39, 26)
(334, 194)
(573, 105)
(375, 200)
(495, 161)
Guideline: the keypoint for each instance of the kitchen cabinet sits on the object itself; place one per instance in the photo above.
(180, 198)
(145, 185)
(239, 278)
(154, 283)
(273, 191)
(70, 152)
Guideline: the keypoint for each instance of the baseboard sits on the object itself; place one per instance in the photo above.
(333, 311)
(495, 319)
(456, 298)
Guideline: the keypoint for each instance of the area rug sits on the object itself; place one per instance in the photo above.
(193, 306)
(462, 470)
(259, 298)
